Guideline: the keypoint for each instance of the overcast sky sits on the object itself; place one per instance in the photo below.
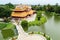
(42, 2)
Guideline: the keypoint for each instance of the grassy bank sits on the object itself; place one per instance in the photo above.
(6, 25)
(37, 22)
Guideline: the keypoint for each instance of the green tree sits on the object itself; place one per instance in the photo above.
(5, 12)
(38, 15)
(24, 24)
(57, 8)
(9, 5)
(49, 8)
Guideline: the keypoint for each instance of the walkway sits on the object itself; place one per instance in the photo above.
(25, 36)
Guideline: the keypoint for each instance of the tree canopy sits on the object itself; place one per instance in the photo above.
(47, 8)
(5, 10)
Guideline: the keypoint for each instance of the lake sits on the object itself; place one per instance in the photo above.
(51, 27)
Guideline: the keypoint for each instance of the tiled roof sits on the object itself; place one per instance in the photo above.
(22, 11)
(22, 14)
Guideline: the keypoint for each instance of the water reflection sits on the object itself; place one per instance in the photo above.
(42, 27)
(48, 15)
(51, 27)
(56, 18)
(37, 29)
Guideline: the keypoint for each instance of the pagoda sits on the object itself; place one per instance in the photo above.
(22, 11)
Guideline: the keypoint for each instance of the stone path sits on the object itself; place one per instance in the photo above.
(22, 35)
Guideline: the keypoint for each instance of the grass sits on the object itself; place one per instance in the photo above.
(46, 36)
(2, 25)
(6, 26)
(9, 26)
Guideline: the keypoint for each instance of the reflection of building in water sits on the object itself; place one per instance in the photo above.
(22, 11)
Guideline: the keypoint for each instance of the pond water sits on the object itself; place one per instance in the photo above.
(51, 27)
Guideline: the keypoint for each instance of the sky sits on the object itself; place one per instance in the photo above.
(33, 2)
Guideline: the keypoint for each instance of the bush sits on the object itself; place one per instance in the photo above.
(24, 24)
(43, 20)
(7, 33)
(6, 19)
(38, 22)
(38, 15)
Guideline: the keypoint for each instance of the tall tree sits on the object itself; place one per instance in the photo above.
(9, 5)
(5, 12)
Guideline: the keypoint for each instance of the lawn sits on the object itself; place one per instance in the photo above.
(6, 26)
(9, 26)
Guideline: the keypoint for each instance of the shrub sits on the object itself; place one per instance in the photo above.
(6, 19)
(38, 15)
(7, 33)
(24, 24)
(38, 22)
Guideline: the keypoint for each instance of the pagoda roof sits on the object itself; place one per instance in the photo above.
(22, 11)
(22, 14)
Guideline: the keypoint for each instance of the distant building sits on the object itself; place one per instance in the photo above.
(22, 11)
